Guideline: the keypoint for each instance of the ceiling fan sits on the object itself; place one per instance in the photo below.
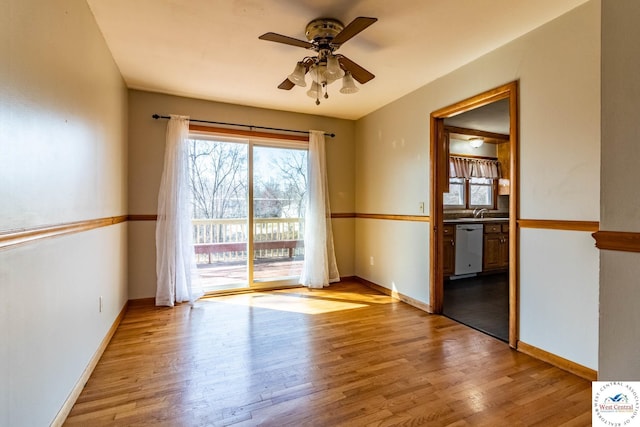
(325, 36)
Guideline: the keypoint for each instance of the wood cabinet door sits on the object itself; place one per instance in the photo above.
(492, 252)
(449, 256)
(449, 250)
(504, 251)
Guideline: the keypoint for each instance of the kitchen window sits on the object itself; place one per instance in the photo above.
(472, 183)
(457, 195)
(470, 193)
(481, 193)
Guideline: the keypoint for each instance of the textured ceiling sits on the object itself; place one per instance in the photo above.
(209, 49)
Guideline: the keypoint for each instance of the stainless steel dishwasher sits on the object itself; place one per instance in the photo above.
(468, 249)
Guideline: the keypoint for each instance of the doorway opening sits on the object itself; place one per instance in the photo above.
(474, 211)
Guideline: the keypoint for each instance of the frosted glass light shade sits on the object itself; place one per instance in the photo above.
(315, 91)
(333, 71)
(348, 85)
(317, 72)
(476, 142)
(297, 76)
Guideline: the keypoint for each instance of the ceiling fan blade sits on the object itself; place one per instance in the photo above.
(357, 25)
(358, 73)
(286, 85)
(279, 38)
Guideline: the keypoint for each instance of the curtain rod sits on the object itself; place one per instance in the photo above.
(157, 116)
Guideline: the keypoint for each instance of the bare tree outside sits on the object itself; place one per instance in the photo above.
(218, 177)
(293, 172)
(268, 200)
(280, 183)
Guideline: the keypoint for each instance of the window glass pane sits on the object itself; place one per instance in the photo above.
(455, 196)
(481, 192)
(218, 176)
(279, 191)
(219, 181)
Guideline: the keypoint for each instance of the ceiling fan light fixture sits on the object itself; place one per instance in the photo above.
(333, 71)
(297, 76)
(348, 85)
(325, 36)
(315, 91)
(319, 73)
(476, 142)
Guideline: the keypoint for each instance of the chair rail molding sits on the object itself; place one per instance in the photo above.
(12, 238)
(622, 241)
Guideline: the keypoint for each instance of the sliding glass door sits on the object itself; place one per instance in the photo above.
(279, 190)
(218, 174)
(247, 198)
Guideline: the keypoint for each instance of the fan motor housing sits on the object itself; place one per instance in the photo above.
(323, 29)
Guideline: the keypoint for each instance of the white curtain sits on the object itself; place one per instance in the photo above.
(319, 267)
(174, 249)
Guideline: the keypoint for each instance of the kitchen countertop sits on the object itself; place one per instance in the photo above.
(473, 220)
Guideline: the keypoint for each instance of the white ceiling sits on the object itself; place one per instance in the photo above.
(209, 49)
(492, 117)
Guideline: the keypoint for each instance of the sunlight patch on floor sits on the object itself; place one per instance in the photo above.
(289, 302)
(372, 297)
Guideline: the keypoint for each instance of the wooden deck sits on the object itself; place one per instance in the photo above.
(231, 275)
(341, 356)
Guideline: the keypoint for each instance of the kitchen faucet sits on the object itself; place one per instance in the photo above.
(479, 212)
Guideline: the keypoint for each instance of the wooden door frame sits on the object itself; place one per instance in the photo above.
(439, 180)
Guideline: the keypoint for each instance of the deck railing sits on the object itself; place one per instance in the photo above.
(224, 240)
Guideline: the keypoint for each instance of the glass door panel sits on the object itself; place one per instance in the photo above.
(279, 189)
(218, 177)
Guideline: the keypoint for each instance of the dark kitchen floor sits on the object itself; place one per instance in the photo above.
(481, 302)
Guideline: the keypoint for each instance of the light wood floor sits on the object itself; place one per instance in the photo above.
(345, 355)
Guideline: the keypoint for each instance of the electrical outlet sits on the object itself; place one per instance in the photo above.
(371, 260)
(421, 207)
(100, 304)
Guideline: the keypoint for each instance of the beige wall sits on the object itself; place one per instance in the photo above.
(146, 151)
(558, 66)
(63, 120)
(619, 290)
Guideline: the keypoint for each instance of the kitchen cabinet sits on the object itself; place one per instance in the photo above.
(504, 157)
(495, 253)
(449, 253)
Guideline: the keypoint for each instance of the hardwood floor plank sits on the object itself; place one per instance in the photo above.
(343, 355)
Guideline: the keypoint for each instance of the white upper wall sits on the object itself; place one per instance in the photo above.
(558, 66)
(620, 116)
(560, 119)
(58, 162)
